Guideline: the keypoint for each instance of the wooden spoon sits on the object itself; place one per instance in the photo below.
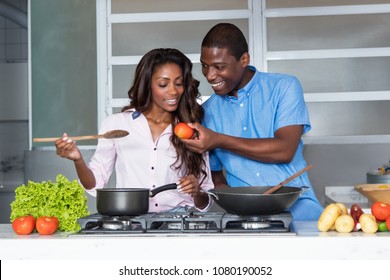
(108, 135)
(278, 186)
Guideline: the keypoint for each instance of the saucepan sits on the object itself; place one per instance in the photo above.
(126, 201)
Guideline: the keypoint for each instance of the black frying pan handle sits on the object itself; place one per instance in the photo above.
(166, 187)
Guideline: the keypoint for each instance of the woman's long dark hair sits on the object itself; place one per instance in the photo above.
(188, 110)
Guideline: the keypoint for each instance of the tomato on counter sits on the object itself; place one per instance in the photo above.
(24, 225)
(380, 210)
(47, 225)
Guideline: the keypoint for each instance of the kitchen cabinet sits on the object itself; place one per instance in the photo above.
(307, 244)
(63, 68)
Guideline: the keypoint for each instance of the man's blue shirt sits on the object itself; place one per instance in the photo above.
(268, 102)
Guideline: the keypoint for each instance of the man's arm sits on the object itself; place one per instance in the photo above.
(219, 179)
(280, 149)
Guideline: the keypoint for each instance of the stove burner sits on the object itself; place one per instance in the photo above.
(113, 225)
(255, 225)
(278, 223)
(173, 226)
(256, 219)
(97, 223)
(117, 222)
(197, 225)
(188, 222)
(184, 222)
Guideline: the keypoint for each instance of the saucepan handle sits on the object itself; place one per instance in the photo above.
(162, 188)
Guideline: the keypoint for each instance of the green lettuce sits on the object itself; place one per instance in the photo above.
(62, 199)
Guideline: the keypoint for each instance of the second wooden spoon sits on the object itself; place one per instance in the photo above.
(278, 186)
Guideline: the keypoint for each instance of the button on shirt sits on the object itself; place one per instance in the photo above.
(140, 162)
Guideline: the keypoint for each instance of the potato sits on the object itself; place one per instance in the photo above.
(344, 211)
(368, 223)
(344, 223)
(343, 208)
(328, 217)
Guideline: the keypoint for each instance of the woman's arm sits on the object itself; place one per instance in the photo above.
(85, 174)
(67, 148)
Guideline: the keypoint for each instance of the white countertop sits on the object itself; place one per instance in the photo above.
(309, 243)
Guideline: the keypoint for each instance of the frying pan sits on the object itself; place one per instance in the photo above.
(259, 200)
(252, 200)
(126, 201)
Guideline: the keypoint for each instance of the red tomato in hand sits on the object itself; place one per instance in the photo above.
(24, 225)
(47, 225)
(183, 131)
(380, 210)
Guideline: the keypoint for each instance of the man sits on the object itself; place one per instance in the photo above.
(253, 123)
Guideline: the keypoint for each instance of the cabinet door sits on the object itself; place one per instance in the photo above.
(63, 67)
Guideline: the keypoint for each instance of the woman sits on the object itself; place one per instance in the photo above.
(164, 93)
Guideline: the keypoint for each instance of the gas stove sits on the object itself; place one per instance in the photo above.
(186, 222)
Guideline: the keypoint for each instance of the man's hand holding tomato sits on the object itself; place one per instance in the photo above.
(204, 141)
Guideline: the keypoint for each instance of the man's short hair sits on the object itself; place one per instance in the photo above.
(226, 35)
